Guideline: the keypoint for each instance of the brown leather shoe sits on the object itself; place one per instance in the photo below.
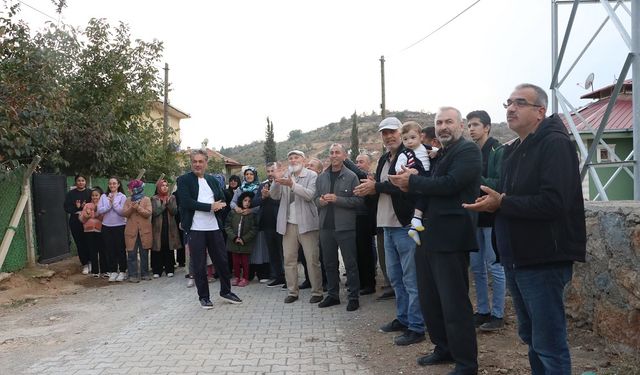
(290, 299)
(315, 299)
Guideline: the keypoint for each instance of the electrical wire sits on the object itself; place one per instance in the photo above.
(38, 10)
(442, 26)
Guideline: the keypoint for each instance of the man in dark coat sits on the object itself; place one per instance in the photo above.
(201, 199)
(539, 225)
(442, 260)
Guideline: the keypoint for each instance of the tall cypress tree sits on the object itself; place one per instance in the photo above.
(269, 144)
(355, 145)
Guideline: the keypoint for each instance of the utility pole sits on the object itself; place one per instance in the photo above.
(383, 108)
(165, 110)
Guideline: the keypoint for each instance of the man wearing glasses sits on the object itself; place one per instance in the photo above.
(539, 225)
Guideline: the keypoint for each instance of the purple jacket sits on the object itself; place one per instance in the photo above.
(112, 214)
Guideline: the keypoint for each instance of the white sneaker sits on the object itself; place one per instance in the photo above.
(190, 283)
(264, 281)
(156, 276)
(121, 276)
(170, 274)
(85, 269)
(113, 276)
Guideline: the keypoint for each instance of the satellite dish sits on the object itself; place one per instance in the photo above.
(588, 83)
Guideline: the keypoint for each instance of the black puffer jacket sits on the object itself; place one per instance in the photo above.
(543, 209)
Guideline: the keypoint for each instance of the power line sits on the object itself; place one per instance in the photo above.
(39, 11)
(443, 25)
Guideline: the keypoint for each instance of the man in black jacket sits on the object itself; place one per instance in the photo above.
(394, 213)
(268, 217)
(201, 200)
(490, 312)
(442, 260)
(539, 226)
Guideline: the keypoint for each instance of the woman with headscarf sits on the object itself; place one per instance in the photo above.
(260, 255)
(137, 233)
(165, 231)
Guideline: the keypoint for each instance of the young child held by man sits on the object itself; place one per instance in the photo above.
(415, 155)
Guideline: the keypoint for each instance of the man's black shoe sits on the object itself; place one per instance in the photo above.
(435, 358)
(353, 305)
(409, 337)
(315, 299)
(305, 285)
(290, 299)
(231, 298)
(206, 303)
(367, 290)
(329, 301)
(494, 324)
(462, 372)
(388, 294)
(480, 319)
(275, 283)
(393, 326)
(284, 286)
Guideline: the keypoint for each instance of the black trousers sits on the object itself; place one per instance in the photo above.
(303, 260)
(113, 238)
(346, 240)
(79, 237)
(366, 251)
(443, 288)
(213, 242)
(163, 260)
(274, 244)
(96, 252)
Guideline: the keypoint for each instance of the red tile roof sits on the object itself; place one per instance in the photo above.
(620, 119)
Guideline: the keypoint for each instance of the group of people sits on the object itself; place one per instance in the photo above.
(114, 233)
(437, 205)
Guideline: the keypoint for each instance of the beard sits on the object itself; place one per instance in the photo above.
(295, 168)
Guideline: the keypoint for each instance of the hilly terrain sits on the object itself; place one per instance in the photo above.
(315, 143)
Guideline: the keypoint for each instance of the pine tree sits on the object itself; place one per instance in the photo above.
(269, 144)
(355, 145)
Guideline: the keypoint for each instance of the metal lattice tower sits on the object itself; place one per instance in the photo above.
(630, 164)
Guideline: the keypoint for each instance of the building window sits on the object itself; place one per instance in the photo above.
(603, 154)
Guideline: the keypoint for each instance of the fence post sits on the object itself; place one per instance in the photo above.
(17, 213)
(28, 223)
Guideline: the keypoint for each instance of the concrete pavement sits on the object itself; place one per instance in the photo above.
(172, 334)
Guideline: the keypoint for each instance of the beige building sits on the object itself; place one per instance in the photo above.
(175, 115)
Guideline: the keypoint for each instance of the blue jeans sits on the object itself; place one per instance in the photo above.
(482, 261)
(537, 297)
(399, 251)
(132, 260)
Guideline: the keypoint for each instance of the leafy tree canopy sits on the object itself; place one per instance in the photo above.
(80, 99)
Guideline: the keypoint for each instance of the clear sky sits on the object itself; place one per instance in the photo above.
(306, 64)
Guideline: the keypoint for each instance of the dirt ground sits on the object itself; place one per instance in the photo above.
(498, 353)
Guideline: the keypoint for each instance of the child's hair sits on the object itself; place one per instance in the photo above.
(98, 189)
(410, 125)
(243, 196)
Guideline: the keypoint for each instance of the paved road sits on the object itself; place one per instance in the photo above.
(158, 327)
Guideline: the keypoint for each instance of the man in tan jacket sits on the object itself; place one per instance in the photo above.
(298, 223)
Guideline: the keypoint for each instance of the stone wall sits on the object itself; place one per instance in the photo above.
(605, 291)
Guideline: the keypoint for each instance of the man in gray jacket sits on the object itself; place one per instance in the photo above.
(337, 206)
(298, 224)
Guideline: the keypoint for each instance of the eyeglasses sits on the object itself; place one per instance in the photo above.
(519, 103)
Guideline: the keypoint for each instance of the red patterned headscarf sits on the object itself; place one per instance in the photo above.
(162, 196)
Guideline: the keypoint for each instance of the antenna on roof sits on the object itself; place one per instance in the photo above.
(588, 83)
